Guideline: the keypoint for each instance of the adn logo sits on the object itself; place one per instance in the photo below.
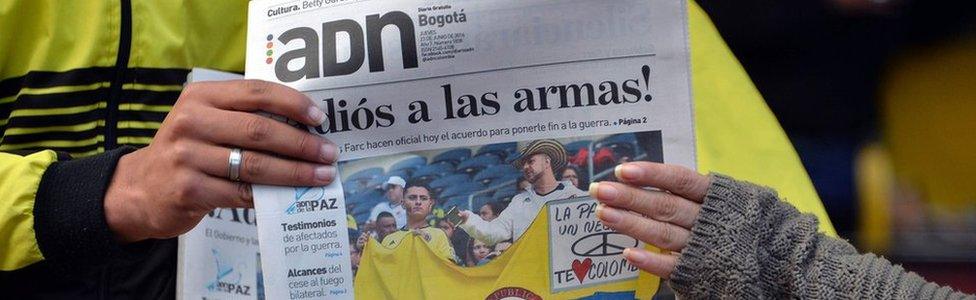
(319, 53)
(270, 52)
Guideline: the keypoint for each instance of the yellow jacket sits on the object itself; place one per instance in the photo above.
(86, 77)
(83, 77)
(434, 237)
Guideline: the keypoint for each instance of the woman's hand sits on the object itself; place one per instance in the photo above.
(662, 216)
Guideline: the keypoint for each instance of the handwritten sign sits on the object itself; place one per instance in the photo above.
(582, 251)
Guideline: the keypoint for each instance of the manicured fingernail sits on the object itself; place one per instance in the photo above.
(607, 192)
(593, 189)
(628, 172)
(329, 152)
(632, 254)
(316, 114)
(607, 214)
(324, 173)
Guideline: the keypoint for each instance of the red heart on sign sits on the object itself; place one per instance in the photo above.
(582, 268)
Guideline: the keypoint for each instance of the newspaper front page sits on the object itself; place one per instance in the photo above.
(502, 111)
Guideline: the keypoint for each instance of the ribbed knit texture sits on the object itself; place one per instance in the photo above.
(69, 211)
(747, 244)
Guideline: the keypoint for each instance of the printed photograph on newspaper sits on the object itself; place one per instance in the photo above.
(470, 205)
(468, 133)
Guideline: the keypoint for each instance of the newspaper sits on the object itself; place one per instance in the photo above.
(219, 258)
(442, 109)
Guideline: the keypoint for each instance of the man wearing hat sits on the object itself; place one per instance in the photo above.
(538, 160)
(394, 193)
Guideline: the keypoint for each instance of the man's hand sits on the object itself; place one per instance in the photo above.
(362, 240)
(662, 218)
(164, 189)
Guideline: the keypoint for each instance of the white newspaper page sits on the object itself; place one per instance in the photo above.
(442, 106)
(219, 258)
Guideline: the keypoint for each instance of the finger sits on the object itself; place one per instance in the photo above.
(250, 131)
(221, 192)
(257, 95)
(655, 263)
(673, 178)
(661, 206)
(660, 234)
(261, 168)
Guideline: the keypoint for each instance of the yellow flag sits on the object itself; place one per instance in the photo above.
(413, 271)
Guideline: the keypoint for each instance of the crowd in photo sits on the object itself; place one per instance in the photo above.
(470, 205)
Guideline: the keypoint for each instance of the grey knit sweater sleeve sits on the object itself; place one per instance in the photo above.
(747, 244)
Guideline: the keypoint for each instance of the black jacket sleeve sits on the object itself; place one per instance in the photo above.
(82, 260)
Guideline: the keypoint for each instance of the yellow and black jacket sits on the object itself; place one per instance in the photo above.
(93, 79)
(90, 80)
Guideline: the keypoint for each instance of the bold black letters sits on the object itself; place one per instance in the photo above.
(359, 43)
(408, 42)
(330, 59)
(310, 68)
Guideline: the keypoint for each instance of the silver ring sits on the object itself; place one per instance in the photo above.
(234, 169)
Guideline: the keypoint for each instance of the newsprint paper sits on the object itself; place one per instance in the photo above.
(503, 111)
(219, 258)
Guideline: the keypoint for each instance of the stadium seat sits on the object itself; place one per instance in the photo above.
(454, 156)
(361, 217)
(359, 181)
(409, 164)
(364, 202)
(511, 156)
(432, 171)
(376, 183)
(501, 150)
(437, 169)
(460, 189)
(490, 174)
(477, 163)
(504, 195)
(366, 197)
(440, 184)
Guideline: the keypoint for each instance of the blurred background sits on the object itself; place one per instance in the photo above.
(879, 99)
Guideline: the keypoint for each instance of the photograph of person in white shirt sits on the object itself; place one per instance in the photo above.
(538, 161)
(393, 190)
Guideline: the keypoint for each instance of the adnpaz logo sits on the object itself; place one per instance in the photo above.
(309, 199)
(227, 279)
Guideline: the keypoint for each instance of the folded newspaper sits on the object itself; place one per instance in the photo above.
(219, 258)
(468, 134)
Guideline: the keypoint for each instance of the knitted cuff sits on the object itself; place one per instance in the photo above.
(747, 244)
(723, 241)
(69, 214)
